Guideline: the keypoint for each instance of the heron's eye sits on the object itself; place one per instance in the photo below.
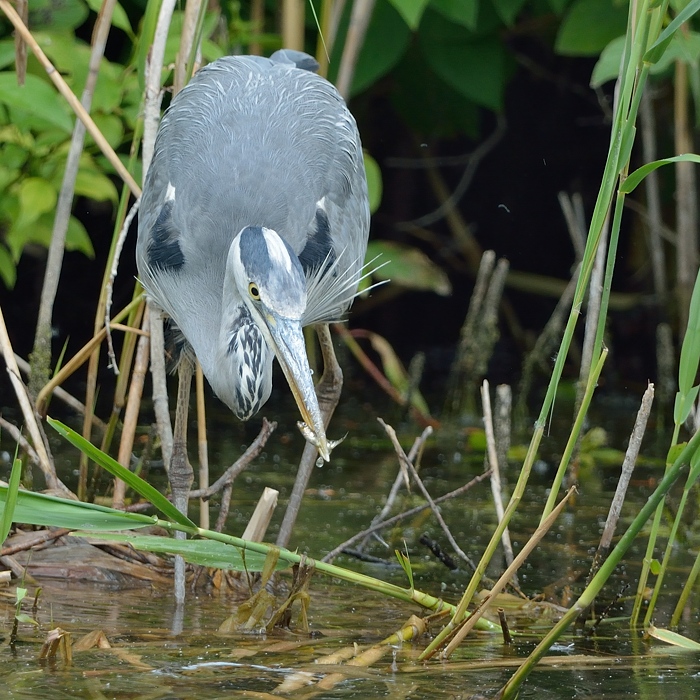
(254, 291)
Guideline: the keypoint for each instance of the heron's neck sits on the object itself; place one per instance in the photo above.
(241, 375)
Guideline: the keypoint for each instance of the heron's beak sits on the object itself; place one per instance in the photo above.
(290, 349)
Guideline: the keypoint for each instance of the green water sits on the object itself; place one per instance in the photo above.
(150, 658)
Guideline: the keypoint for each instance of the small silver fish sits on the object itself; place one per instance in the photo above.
(310, 436)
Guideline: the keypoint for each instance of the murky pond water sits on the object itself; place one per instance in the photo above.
(150, 658)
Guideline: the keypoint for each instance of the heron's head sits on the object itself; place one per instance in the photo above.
(271, 282)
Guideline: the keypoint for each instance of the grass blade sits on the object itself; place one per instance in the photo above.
(141, 487)
(673, 638)
(657, 49)
(49, 511)
(636, 177)
(209, 553)
(8, 511)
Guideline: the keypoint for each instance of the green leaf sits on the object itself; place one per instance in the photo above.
(209, 553)
(589, 26)
(638, 175)
(508, 10)
(145, 43)
(472, 64)
(135, 482)
(8, 271)
(408, 267)
(674, 452)
(50, 511)
(68, 54)
(109, 91)
(7, 53)
(657, 49)
(66, 14)
(689, 360)
(694, 472)
(405, 562)
(464, 12)
(26, 619)
(374, 182)
(684, 46)
(78, 240)
(626, 144)
(608, 65)
(386, 41)
(683, 404)
(95, 185)
(36, 197)
(410, 10)
(8, 511)
(391, 364)
(120, 20)
(414, 85)
(677, 640)
(112, 128)
(36, 97)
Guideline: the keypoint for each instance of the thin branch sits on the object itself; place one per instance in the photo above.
(647, 120)
(62, 395)
(541, 531)
(240, 464)
(16, 434)
(35, 432)
(436, 511)
(153, 92)
(225, 507)
(355, 37)
(415, 451)
(449, 203)
(686, 196)
(131, 413)
(633, 448)
(293, 24)
(41, 355)
(375, 527)
(38, 538)
(187, 50)
(496, 488)
(113, 364)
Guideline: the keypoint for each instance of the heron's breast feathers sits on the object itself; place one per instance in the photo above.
(248, 362)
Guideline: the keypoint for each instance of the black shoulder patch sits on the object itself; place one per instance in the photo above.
(319, 245)
(164, 252)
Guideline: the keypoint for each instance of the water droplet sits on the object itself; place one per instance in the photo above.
(319, 462)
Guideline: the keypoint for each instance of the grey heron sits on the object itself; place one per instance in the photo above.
(253, 223)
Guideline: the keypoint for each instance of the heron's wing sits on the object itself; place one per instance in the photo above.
(336, 239)
(251, 141)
